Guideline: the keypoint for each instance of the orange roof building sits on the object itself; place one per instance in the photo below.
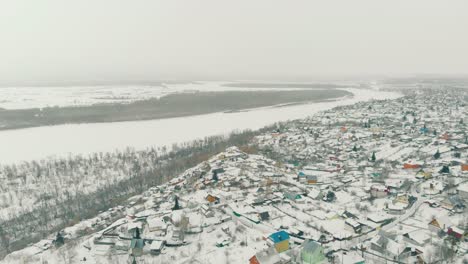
(408, 166)
(464, 167)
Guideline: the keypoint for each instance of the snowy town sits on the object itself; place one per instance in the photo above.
(375, 182)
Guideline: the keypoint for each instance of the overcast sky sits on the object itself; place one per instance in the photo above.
(116, 40)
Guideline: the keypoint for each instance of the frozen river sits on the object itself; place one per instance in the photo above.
(62, 140)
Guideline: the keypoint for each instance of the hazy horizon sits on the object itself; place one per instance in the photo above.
(53, 42)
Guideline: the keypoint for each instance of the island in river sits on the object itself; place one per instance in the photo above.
(173, 105)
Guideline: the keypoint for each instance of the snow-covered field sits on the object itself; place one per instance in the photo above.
(41, 142)
(37, 97)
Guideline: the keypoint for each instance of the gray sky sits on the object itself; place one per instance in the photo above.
(113, 40)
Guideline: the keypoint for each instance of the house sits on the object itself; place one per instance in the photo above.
(136, 247)
(329, 197)
(464, 167)
(378, 191)
(293, 196)
(242, 209)
(347, 180)
(218, 170)
(445, 136)
(445, 169)
(433, 187)
(157, 225)
(463, 190)
(212, 199)
(177, 234)
(301, 176)
(418, 237)
(456, 232)
(396, 207)
(134, 228)
(308, 176)
(280, 240)
(439, 224)
(157, 246)
(411, 255)
(454, 203)
(295, 232)
(348, 214)
(312, 252)
(123, 245)
(375, 174)
(311, 179)
(348, 257)
(410, 166)
(353, 225)
(394, 183)
(264, 216)
(402, 198)
(225, 218)
(386, 246)
(378, 217)
(421, 174)
(99, 239)
(207, 211)
(405, 138)
(267, 256)
(195, 222)
(258, 201)
(315, 194)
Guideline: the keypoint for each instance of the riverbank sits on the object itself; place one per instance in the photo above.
(63, 140)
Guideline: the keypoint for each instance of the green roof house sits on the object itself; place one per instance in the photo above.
(292, 196)
(312, 252)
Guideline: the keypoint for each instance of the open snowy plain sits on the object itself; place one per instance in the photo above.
(51, 96)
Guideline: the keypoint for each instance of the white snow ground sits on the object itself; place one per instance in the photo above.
(38, 97)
